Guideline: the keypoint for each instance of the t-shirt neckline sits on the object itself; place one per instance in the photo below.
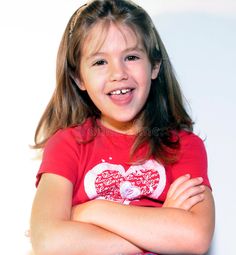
(109, 131)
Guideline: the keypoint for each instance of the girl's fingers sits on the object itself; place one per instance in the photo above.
(187, 199)
(189, 193)
(185, 192)
(174, 186)
(189, 203)
(188, 184)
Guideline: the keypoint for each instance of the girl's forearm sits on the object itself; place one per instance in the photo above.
(161, 230)
(74, 238)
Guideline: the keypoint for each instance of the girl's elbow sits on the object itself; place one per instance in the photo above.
(201, 237)
(42, 247)
(45, 244)
(201, 243)
(201, 248)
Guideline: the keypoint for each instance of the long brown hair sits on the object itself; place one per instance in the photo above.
(164, 112)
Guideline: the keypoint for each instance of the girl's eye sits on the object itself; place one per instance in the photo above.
(99, 63)
(132, 58)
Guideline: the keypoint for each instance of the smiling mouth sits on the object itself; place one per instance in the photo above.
(120, 92)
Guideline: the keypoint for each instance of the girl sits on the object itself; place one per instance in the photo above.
(122, 172)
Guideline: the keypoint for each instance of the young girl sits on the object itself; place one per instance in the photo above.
(122, 172)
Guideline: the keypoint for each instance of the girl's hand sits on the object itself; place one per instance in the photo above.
(185, 192)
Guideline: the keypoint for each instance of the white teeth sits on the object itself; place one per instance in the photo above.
(116, 92)
(120, 91)
(124, 91)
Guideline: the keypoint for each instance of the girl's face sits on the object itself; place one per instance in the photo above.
(116, 73)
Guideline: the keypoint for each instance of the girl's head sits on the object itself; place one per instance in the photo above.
(89, 29)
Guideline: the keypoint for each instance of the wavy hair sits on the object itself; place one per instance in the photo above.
(164, 113)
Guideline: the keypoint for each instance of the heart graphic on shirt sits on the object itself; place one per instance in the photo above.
(112, 182)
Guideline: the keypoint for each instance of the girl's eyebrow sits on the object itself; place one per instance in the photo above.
(135, 48)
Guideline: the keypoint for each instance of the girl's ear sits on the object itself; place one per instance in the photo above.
(155, 70)
(80, 84)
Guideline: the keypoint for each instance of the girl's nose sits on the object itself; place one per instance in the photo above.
(118, 72)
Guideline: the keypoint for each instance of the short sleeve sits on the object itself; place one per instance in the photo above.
(192, 158)
(60, 156)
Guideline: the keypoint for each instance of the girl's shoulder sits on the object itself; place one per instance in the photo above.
(192, 158)
(75, 133)
(188, 138)
(192, 147)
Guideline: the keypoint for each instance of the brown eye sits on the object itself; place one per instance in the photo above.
(132, 58)
(100, 63)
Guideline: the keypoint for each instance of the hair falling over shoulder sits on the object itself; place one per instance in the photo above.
(164, 113)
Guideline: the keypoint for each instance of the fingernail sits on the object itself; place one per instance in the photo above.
(200, 179)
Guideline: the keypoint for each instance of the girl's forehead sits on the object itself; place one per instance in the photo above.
(109, 30)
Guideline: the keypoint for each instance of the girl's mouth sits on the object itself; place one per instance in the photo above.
(121, 97)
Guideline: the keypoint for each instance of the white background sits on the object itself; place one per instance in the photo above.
(200, 36)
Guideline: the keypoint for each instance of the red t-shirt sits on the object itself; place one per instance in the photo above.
(101, 168)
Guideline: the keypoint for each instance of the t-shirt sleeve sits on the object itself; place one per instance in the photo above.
(192, 158)
(60, 156)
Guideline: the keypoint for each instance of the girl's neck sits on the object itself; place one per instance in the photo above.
(129, 128)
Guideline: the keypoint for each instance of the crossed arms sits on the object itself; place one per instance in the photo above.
(184, 225)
